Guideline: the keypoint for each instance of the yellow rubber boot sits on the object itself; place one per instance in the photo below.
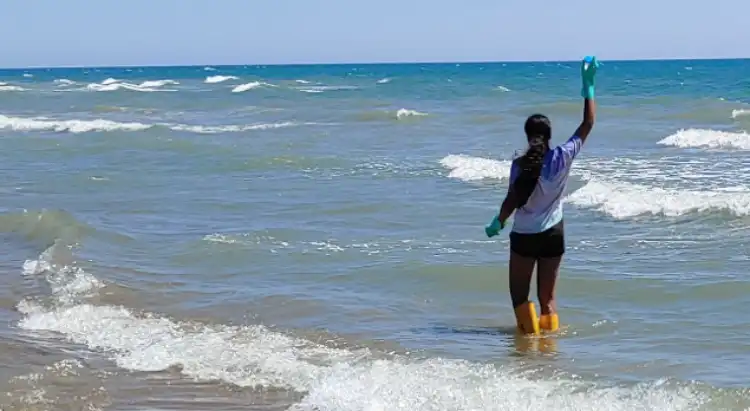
(526, 318)
(549, 322)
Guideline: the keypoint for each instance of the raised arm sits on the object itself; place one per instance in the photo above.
(588, 75)
(589, 116)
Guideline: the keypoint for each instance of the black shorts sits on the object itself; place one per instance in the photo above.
(547, 244)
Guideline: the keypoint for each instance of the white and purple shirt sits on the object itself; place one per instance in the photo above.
(544, 208)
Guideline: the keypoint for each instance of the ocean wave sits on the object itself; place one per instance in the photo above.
(158, 83)
(100, 125)
(706, 138)
(403, 113)
(329, 378)
(623, 200)
(740, 113)
(45, 226)
(615, 197)
(322, 89)
(234, 128)
(72, 126)
(112, 84)
(250, 86)
(64, 82)
(381, 115)
(10, 87)
(469, 168)
(219, 79)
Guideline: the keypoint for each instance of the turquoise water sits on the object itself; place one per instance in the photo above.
(311, 238)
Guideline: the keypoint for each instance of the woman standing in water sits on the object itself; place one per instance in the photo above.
(537, 182)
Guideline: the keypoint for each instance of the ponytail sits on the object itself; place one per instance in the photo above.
(538, 131)
(530, 168)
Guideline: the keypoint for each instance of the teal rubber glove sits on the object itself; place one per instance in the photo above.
(494, 228)
(588, 74)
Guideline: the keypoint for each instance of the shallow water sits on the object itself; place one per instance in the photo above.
(311, 238)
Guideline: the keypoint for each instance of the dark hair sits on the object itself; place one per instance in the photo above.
(538, 133)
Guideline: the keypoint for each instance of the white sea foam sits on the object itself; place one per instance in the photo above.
(404, 113)
(705, 138)
(469, 168)
(100, 125)
(112, 84)
(623, 200)
(64, 82)
(72, 126)
(330, 378)
(740, 113)
(322, 89)
(158, 83)
(9, 87)
(620, 199)
(115, 87)
(219, 79)
(250, 86)
(68, 283)
(233, 128)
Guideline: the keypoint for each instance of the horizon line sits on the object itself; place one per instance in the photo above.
(370, 63)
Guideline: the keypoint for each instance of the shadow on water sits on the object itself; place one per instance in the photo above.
(499, 331)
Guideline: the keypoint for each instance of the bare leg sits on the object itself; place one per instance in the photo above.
(521, 269)
(546, 277)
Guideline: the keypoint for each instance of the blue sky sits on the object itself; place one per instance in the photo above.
(157, 32)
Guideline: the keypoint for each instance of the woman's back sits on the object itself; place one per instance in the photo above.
(544, 207)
